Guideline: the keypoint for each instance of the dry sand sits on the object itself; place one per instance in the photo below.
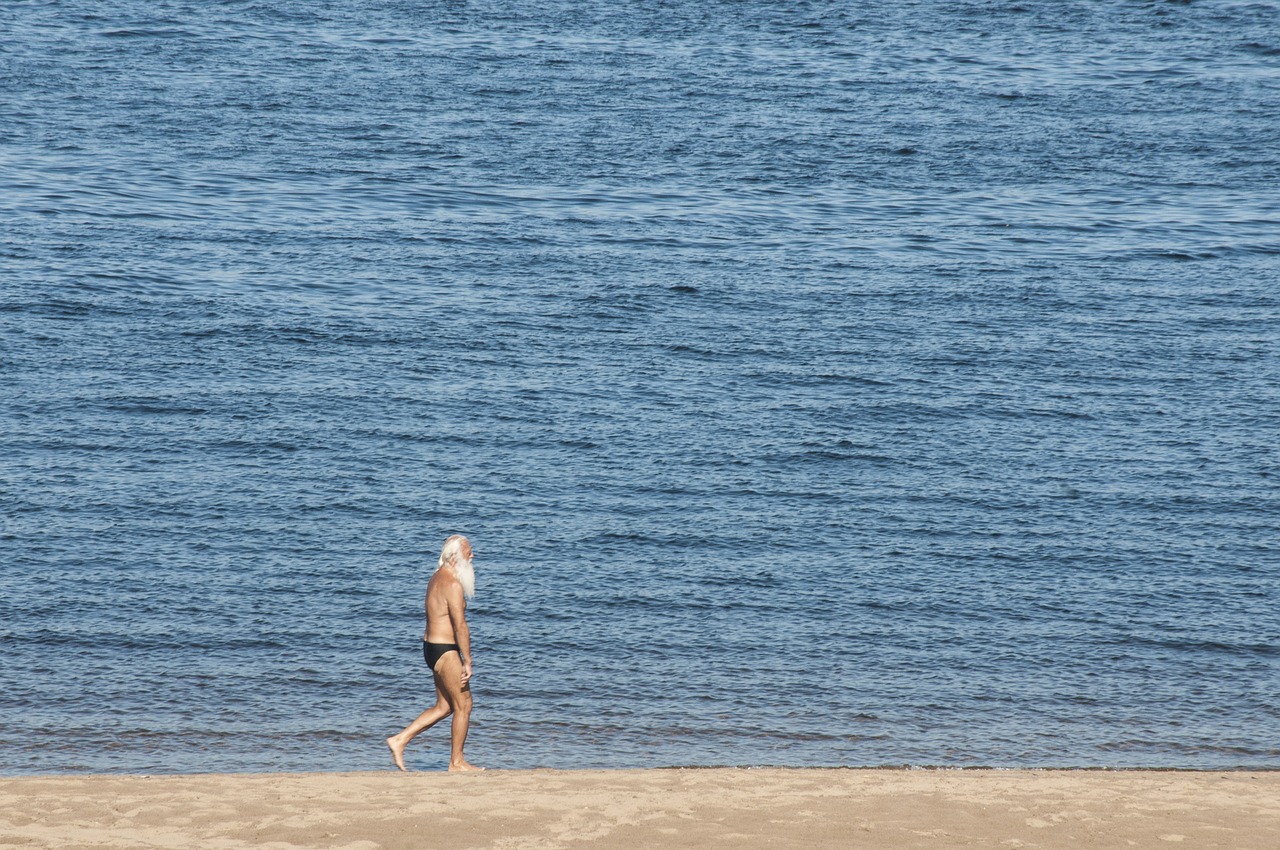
(730, 808)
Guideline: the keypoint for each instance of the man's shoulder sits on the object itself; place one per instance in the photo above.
(443, 581)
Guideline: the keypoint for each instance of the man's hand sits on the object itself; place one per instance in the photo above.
(466, 672)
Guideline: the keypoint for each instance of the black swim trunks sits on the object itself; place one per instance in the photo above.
(433, 652)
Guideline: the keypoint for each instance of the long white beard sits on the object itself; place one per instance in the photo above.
(466, 576)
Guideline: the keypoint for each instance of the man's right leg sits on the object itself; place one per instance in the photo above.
(449, 679)
(425, 721)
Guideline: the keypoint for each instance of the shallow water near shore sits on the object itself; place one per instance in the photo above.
(820, 384)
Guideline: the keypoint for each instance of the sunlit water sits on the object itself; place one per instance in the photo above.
(820, 383)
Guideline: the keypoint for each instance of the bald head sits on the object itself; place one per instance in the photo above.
(456, 557)
(455, 547)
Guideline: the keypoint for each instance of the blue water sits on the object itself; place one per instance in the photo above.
(820, 383)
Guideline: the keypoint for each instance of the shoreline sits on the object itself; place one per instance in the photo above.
(747, 808)
(880, 768)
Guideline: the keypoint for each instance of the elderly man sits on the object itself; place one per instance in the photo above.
(446, 645)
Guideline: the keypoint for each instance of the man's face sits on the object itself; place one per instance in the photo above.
(466, 550)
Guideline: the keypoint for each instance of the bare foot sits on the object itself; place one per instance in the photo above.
(463, 767)
(397, 751)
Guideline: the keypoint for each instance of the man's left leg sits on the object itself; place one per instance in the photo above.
(449, 678)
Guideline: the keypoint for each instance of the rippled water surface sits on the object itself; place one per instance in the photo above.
(820, 383)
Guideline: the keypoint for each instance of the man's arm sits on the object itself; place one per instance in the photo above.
(461, 634)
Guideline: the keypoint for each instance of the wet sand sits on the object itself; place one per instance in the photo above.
(699, 808)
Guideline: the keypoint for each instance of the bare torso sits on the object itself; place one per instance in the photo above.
(439, 627)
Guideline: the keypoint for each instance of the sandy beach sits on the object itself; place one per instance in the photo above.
(697, 808)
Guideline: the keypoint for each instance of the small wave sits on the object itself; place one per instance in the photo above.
(1187, 749)
(149, 33)
(1211, 646)
(155, 407)
(760, 579)
(830, 454)
(1261, 49)
(860, 380)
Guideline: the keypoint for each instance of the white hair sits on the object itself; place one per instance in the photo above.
(451, 557)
